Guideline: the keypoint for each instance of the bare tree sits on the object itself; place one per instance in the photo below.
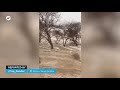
(61, 33)
(65, 36)
(47, 21)
(70, 31)
(58, 34)
(74, 32)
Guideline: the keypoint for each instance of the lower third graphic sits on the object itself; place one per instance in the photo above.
(42, 71)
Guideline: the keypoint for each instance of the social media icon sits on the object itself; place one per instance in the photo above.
(8, 18)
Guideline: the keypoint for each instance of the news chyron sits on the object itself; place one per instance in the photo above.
(11, 69)
(22, 69)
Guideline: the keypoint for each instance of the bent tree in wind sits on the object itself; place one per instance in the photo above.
(46, 21)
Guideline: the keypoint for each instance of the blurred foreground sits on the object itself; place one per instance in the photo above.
(19, 40)
(100, 45)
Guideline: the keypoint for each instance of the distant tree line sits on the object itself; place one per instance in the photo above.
(65, 32)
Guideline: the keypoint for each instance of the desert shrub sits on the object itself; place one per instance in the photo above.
(76, 56)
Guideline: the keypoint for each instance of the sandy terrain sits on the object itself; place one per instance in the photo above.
(60, 58)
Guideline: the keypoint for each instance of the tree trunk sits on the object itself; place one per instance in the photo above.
(50, 42)
(75, 42)
(49, 39)
(65, 42)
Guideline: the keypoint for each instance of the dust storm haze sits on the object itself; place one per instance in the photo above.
(100, 44)
(100, 58)
(60, 46)
(19, 40)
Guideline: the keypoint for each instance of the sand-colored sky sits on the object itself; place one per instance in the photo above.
(70, 17)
